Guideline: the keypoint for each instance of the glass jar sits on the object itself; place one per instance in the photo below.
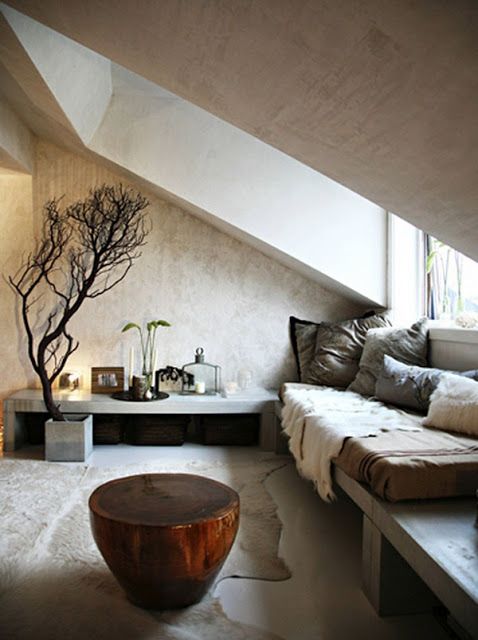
(200, 377)
(244, 379)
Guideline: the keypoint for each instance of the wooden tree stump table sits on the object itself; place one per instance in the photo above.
(164, 536)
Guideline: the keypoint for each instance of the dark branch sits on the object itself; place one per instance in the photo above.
(85, 250)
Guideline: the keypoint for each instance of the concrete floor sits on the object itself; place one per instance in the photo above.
(320, 543)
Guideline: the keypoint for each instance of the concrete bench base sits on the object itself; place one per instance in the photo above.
(418, 553)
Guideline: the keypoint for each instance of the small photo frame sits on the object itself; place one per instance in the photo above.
(107, 379)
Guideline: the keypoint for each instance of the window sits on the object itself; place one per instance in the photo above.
(427, 277)
(451, 284)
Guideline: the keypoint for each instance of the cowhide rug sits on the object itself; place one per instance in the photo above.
(55, 584)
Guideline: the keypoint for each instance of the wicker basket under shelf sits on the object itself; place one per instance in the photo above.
(108, 429)
(157, 430)
(229, 429)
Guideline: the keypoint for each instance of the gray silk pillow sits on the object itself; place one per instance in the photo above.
(409, 346)
(338, 349)
(410, 386)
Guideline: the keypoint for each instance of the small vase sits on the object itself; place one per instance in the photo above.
(140, 386)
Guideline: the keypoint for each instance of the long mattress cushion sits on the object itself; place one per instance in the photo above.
(407, 465)
(318, 420)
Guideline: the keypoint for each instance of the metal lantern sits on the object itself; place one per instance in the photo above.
(201, 378)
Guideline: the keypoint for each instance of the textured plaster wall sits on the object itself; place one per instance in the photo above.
(216, 291)
(15, 239)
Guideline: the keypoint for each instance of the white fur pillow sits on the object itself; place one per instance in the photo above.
(454, 405)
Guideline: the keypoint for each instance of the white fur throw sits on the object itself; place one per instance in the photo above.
(318, 420)
(454, 405)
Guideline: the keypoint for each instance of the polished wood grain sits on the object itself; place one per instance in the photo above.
(164, 536)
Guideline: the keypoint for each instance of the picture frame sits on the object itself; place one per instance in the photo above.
(107, 379)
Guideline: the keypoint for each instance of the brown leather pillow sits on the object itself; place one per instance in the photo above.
(338, 348)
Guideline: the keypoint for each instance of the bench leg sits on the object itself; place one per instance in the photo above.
(271, 436)
(267, 433)
(13, 428)
(389, 583)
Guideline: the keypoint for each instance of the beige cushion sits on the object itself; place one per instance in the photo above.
(338, 349)
(454, 405)
(406, 345)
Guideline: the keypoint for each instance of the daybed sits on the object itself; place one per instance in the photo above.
(418, 554)
(389, 460)
(385, 447)
(334, 415)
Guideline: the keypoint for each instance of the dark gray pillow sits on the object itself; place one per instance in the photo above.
(410, 386)
(406, 345)
(303, 335)
(338, 349)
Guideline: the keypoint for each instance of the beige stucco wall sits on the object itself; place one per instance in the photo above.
(15, 239)
(217, 292)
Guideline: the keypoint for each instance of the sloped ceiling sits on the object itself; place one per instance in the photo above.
(220, 172)
(380, 96)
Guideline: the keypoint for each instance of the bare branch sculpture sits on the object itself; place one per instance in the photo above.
(85, 250)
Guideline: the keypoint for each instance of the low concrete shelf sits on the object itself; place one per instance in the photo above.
(259, 401)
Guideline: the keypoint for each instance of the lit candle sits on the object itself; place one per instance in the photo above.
(131, 366)
(200, 387)
(231, 387)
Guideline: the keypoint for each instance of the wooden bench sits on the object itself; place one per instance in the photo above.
(418, 553)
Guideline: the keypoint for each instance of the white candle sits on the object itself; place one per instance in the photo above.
(131, 366)
(155, 361)
(200, 387)
(231, 387)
